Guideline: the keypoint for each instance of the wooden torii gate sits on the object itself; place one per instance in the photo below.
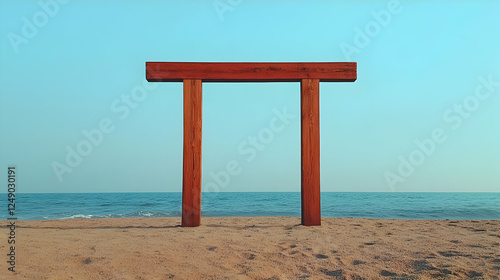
(309, 74)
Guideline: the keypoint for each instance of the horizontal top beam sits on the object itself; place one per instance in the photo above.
(251, 71)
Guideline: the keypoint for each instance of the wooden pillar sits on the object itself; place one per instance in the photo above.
(309, 103)
(191, 177)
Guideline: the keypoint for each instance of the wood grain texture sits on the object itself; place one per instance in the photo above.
(191, 178)
(310, 170)
(309, 74)
(251, 71)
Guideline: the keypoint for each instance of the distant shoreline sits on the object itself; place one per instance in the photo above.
(437, 206)
(251, 217)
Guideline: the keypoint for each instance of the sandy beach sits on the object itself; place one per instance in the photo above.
(253, 248)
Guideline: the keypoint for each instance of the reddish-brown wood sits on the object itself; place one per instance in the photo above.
(251, 71)
(308, 74)
(191, 178)
(309, 103)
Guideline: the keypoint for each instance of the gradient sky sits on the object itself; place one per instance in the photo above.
(425, 69)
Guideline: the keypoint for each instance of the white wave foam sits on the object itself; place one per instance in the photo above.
(79, 216)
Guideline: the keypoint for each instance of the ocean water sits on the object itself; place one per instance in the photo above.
(465, 206)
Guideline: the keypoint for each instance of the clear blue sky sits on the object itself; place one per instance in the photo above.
(426, 70)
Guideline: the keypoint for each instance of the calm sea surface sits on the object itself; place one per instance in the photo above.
(366, 205)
